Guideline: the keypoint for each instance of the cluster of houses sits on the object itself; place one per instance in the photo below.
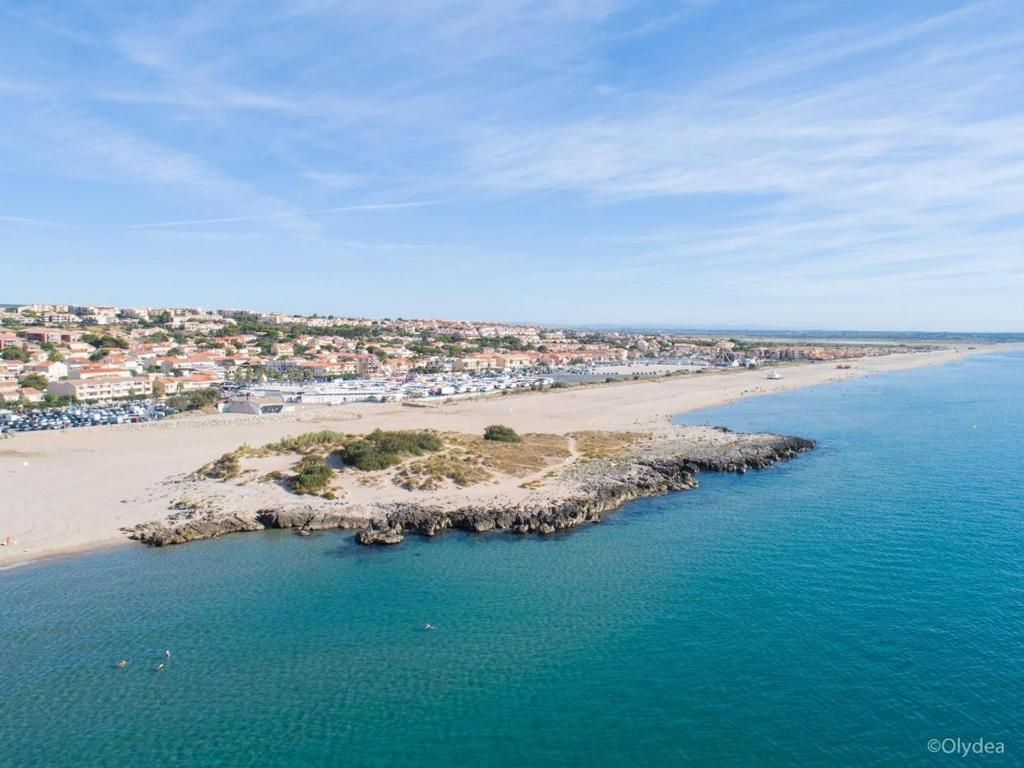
(99, 353)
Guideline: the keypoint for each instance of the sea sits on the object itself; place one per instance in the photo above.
(860, 605)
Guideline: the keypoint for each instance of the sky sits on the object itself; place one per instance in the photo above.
(798, 164)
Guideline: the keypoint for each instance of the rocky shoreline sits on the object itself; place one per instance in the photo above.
(588, 491)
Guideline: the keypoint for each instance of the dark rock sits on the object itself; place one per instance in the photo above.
(648, 472)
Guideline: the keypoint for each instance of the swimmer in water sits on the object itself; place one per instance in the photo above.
(160, 667)
(428, 626)
(122, 663)
(167, 654)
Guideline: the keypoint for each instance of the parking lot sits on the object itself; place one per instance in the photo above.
(73, 416)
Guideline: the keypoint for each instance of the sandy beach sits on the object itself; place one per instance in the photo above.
(65, 492)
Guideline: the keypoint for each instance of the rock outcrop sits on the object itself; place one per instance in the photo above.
(210, 523)
(654, 471)
(585, 492)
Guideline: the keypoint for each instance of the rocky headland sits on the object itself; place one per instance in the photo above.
(578, 490)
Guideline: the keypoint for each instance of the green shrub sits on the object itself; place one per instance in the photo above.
(313, 475)
(306, 442)
(380, 449)
(501, 434)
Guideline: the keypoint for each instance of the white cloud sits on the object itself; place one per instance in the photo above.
(910, 159)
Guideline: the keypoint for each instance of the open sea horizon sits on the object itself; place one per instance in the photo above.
(860, 605)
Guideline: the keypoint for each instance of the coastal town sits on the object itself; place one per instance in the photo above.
(60, 358)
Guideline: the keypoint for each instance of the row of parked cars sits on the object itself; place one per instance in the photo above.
(81, 416)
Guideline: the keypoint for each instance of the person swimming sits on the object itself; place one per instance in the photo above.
(167, 654)
(161, 667)
(122, 663)
(428, 626)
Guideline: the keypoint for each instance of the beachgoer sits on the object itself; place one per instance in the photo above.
(122, 663)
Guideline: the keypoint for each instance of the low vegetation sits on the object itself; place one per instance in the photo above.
(593, 444)
(531, 454)
(312, 475)
(436, 471)
(308, 442)
(380, 449)
(424, 460)
(501, 434)
(226, 467)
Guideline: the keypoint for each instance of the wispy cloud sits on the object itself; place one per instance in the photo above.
(367, 207)
(862, 167)
(28, 222)
(94, 148)
(813, 154)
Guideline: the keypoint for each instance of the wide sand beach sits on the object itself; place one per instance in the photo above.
(70, 491)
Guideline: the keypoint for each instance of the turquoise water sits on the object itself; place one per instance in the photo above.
(842, 609)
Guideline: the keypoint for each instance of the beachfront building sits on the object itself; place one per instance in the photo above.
(176, 385)
(91, 389)
(477, 363)
(256, 406)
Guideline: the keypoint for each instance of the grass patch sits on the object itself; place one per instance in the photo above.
(226, 467)
(324, 440)
(380, 449)
(435, 471)
(533, 453)
(594, 444)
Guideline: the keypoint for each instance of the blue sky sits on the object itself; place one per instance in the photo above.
(801, 164)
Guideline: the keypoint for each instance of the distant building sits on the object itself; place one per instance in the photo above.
(103, 388)
(257, 406)
(179, 384)
(53, 371)
(53, 335)
(30, 395)
(9, 339)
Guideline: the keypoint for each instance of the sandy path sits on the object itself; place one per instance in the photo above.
(67, 491)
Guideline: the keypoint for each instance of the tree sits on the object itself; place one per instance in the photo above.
(14, 353)
(106, 341)
(34, 380)
(51, 400)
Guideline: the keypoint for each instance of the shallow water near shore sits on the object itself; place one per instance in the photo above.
(840, 609)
